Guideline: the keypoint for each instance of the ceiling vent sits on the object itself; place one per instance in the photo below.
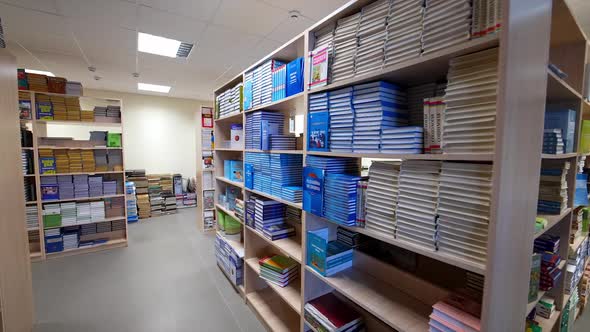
(184, 50)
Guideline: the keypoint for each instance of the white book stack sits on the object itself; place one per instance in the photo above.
(83, 212)
(404, 30)
(470, 114)
(97, 211)
(416, 204)
(382, 193)
(341, 120)
(265, 82)
(32, 216)
(324, 37)
(70, 241)
(464, 210)
(371, 37)
(487, 17)
(230, 101)
(446, 23)
(68, 214)
(416, 96)
(345, 44)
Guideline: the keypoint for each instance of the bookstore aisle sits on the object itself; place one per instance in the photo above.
(166, 280)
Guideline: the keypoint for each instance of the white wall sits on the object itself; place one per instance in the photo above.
(159, 133)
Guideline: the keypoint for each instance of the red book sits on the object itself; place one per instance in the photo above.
(337, 312)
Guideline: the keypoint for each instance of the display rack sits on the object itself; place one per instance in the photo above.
(206, 145)
(388, 297)
(45, 128)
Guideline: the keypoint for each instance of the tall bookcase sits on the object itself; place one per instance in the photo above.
(53, 128)
(205, 148)
(533, 34)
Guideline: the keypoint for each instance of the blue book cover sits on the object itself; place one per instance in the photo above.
(49, 191)
(227, 169)
(249, 176)
(247, 101)
(564, 119)
(295, 76)
(267, 129)
(581, 194)
(318, 126)
(237, 171)
(313, 190)
(317, 243)
(44, 111)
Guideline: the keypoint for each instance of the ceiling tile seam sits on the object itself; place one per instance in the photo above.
(33, 56)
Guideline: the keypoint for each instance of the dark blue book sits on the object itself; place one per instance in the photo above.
(318, 126)
(313, 190)
(295, 76)
(267, 129)
(564, 119)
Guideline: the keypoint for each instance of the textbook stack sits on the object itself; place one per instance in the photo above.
(344, 51)
(263, 124)
(340, 198)
(459, 315)
(230, 101)
(286, 171)
(445, 24)
(470, 115)
(350, 238)
(341, 112)
(68, 213)
(327, 257)
(553, 141)
(548, 246)
(371, 36)
(262, 82)
(416, 208)
(278, 270)
(318, 126)
(402, 140)
(32, 217)
(464, 196)
(268, 213)
(230, 260)
(279, 83)
(553, 196)
(404, 31)
(329, 313)
(277, 232)
(434, 110)
(324, 37)
(382, 195)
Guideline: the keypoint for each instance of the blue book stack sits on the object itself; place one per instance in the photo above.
(340, 198)
(327, 257)
(248, 85)
(553, 141)
(318, 129)
(553, 189)
(279, 83)
(547, 243)
(333, 165)
(250, 215)
(95, 186)
(277, 232)
(318, 102)
(49, 188)
(261, 165)
(81, 186)
(402, 140)
(268, 213)
(66, 187)
(377, 106)
(283, 142)
(292, 194)
(262, 82)
(286, 170)
(564, 119)
(53, 240)
(249, 176)
(273, 124)
(295, 76)
(341, 112)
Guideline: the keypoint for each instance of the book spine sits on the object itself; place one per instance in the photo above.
(361, 209)
(427, 132)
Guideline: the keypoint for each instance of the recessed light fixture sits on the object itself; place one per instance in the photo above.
(162, 46)
(153, 87)
(40, 72)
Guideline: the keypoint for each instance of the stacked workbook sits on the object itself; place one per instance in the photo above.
(286, 171)
(553, 141)
(402, 140)
(69, 214)
(95, 185)
(230, 260)
(53, 241)
(470, 115)
(75, 161)
(318, 123)
(548, 247)
(74, 88)
(81, 186)
(58, 104)
(278, 270)
(114, 207)
(404, 31)
(340, 198)
(553, 196)
(279, 231)
(345, 44)
(445, 24)
(329, 313)
(97, 211)
(341, 112)
(268, 213)
(83, 212)
(229, 102)
(261, 125)
(455, 315)
(109, 188)
(464, 197)
(70, 238)
(348, 237)
(327, 257)
(32, 217)
(371, 36)
(381, 197)
(416, 220)
(37, 82)
(131, 202)
(258, 84)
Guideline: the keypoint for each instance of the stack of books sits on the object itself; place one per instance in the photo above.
(341, 111)
(74, 88)
(230, 260)
(548, 246)
(29, 189)
(169, 202)
(100, 161)
(371, 36)
(47, 161)
(293, 215)
(283, 142)
(58, 104)
(70, 238)
(404, 31)
(143, 206)
(416, 96)
(345, 44)
(487, 18)
(268, 213)
(402, 140)
(563, 119)
(278, 270)
(318, 122)
(279, 83)
(109, 188)
(377, 106)
(83, 212)
(340, 198)
(24, 158)
(464, 197)
(88, 229)
(118, 225)
(95, 186)
(103, 227)
(115, 160)
(100, 113)
(261, 125)
(455, 316)
(330, 313)
(434, 109)
(37, 82)
(49, 188)
(348, 237)
(53, 241)
(333, 165)
(68, 213)
(97, 211)
(416, 220)
(131, 202)
(324, 37)
(327, 257)
(446, 25)
(381, 201)
(546, 307)
(87, 115)
(32, 217)
(553, 196)
(292, 193)
(73, 108)
(81, 186)
(62, 161)
(262, 82)
(114, 112)
(56, 84)
(51, 215)
(43, 107)
(280, 231)
(286, 170)
(470, 115)
(88, 163)
(75, 160)
(114, 207)
(230, 101)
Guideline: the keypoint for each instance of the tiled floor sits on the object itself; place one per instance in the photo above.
(166, 280)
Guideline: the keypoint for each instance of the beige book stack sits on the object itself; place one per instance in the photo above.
(73, 108)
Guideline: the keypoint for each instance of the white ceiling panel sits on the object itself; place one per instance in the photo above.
(250, 16)
(104, 12)
(44, 6)
(168, 25)
(202, 10)
(107, 44)
(18, 20)
(313, 9)
(225, 39)
(290, 28)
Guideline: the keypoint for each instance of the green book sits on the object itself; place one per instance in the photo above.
(114, 140)
(51, 220)
(585, 137)
(278, 263)
(535, 278)
(221, 219)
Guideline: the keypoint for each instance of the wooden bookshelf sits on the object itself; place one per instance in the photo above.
(79, 123)
(111, 244)
(203, 147)
(289, 247)
(228, 181)
(285, 104)
(291, 294)
(552, 220)
(272, 311)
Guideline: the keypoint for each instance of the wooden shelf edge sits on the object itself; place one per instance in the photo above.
(229, 117)
(552, 220)
(228, 181)
(272, 311)
(279, 244)
(275, 103)
(275, 151)
(274, 198)
(90, 222)
(286, 293)
(80, 199)
(454, 156)
(231, 213)
(118, 243)
(559, 156)
(84, 173)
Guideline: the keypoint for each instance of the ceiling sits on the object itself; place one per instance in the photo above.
(581, 9)
(67, 36)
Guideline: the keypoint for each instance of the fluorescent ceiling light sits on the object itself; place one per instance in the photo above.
(153, 87)
(162, 46)
(40, 72)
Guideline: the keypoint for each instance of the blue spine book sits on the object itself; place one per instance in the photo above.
(313, 190)
(564, 119)
(295, 77)
(237, 171)
(248, 91)
(249, 176)
(318, 127)
(227, 169)
(317, 244)
(267, 129)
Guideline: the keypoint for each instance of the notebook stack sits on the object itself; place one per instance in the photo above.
(345, 44)
(32, 217)
(49, 188)
(73, 108)
(83, 212)
(446, 24)
(263, 124)
(81, 186)
(402, 140)
(53, 241)
(97, 211)
(417, 198)
(280, 231)
(103, 227)
(324, 37)
(88, 229)
(464, 210)
(51, 215)
(68, 214)
(553, 196)
(100, 113)
(283, 142)
(115, 160)
(404, 31)
(286, 170)
(553, 141)
(229, 259)
(546, 307)
(114, 112)
(75, 160)
(74, 88)
(333, 165)
(143, 206)
(131, 202)
(278, 270)
(58, 104)
(470, 114)
(87, 115)
(371, 37)
(329, 313)
(548, 246)
(114, 207)
(100, 161)
(169, 202)
(341, 111)
(340, 198)
(70, 238)
(268, 213)
(262, 82)
(109, 188)
(37, 82)
(95, 186)
(377, 106)
(118, 225)
(230, 101)
(350, 238)
(453, 317)
(292, 193)
(416, 96)
(293, 215)
(382, 195)
(88, 163)
(62, 161)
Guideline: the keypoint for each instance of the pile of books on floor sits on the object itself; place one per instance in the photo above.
(169, 202)
(69, 216)
(472, 88)
(340, 198)
(131, 202)
(230, 260)
(189, 199)
(381, 197)
(553, 196)
(456, 313)
(32, 217)
(548, 246)
(553, 142)
(262, 125)
(143, 206)
(329, 313)
(404, 32)
(230, 101)
(278, 270)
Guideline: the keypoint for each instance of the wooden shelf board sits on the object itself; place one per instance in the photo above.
(559, 156)
(273, 311)
(288, 246)
(462, 156)
(208, 170)
(117, 243)
(80, 123)
(577, 242)
(394, 307)
(28, 175)
(291, 293)
(548, 324)
(276, 151)
(31, 202)
(77, 148)
(85, 173)
(80, 199)
(36, 254)
(552, 220)
(285, 104)
(32, 229)
(260, 193)
(421, 69)
(239, 288)
(230, 117)
(91, 222)
(559, 90)
(530, 306)
(231, 213)
(238, 246)
(229, 149)
(228, 181)
(27, 148)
